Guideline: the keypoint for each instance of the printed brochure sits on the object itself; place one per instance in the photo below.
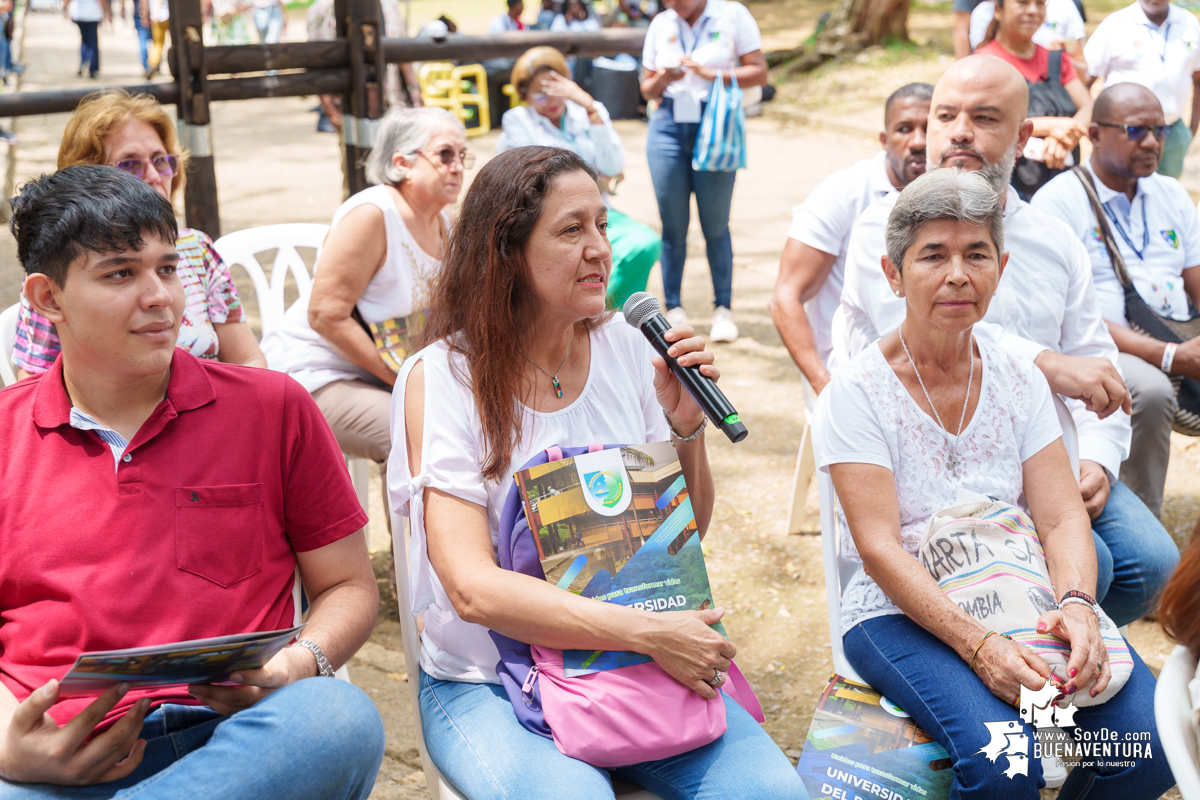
(199, 661)
(861, 746)
(617, 525)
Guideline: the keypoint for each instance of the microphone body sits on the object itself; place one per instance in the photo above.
(702, 388)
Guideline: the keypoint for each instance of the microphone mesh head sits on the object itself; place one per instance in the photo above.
(639, 307)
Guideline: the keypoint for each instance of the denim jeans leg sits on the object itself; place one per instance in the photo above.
(714, 196)
(744, 764)
(669, 153)
(143, 34)
(316, 739)
(479, 746)
(925, 677)
(1143, 555)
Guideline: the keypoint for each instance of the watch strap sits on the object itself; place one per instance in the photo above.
(324, 668)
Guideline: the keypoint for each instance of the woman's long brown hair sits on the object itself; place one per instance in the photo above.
(1179, 609)
(482, 302)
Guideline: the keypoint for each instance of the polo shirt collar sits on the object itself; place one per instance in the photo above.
(877, 176)
(1107, 195)
(189, 388)
(1140, 17)
(711, 9)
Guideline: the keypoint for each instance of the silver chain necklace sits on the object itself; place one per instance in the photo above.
(954, 462)
(554, 378)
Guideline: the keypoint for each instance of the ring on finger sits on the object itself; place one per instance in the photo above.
(718, 679)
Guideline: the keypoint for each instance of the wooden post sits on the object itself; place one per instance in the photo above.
(361, 23)
(195, 128)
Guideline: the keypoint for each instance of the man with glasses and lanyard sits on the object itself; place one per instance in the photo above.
(1156, 44)
(1155, 227)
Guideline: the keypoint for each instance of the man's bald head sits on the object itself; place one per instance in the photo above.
(977, 118)
(1119, 101)
(996, 76)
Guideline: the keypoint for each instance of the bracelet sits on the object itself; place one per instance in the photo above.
(695, 434)
(1066, 601)
(1084, 596)
(1168, 357)
(979, 646)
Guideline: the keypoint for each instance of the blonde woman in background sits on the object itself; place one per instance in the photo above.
(134, 134)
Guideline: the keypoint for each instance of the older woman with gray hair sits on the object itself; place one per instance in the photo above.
(344, 342)
(930, 411)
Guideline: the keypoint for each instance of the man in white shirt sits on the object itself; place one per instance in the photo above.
(1044, 308)
(511, 21)
(809, 287)
(1156, 44)
(1154, 223)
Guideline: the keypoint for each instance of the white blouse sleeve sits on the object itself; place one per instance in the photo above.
(610, 155)
(1041, 418)
(848, 431)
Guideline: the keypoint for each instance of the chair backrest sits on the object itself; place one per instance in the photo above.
(839, 569)
(8, 337)
(439, 789)
(241, 248)
(1174, 720)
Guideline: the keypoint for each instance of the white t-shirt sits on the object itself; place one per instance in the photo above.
(1045, 300)
(618, 405)
(1062, 23)
(1129, 48)
(1160, 221)
(878, 422)
(823, 221)
(399, 288)
(725, 32)
(85, 10)
(598, 145)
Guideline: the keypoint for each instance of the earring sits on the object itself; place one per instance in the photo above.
(898, 294)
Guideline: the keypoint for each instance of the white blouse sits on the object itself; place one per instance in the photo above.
(598, 145)
(397, 289)
(618, 405)
(878, 422)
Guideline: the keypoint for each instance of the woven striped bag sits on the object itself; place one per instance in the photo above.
(987, 557)
(721, 140)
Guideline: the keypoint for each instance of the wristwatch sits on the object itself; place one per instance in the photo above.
(324, 670)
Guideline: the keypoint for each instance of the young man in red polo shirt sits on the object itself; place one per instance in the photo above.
(151, 497)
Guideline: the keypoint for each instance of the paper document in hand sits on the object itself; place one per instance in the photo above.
(617, 525)
(199, 661)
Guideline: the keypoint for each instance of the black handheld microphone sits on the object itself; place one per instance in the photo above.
(643, 312)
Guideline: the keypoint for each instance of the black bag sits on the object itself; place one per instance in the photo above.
(1145, 320)
(1048, 98)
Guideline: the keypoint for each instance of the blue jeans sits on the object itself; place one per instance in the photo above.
(1134, 556)
(318, 738)
(89, 46)
(476, 742)
(1174, 149)
(926, 678)
(669, 148)
(143, 34)
(269, 22)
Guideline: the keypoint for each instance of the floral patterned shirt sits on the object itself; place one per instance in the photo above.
(209, 294)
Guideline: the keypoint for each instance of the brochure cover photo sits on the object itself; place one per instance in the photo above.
(199, 661)
(861, 745)
(617, 525)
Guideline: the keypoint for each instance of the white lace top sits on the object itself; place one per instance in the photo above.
(872, 419)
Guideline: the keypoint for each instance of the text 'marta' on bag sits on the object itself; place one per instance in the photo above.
(617, 525)
(862, 745)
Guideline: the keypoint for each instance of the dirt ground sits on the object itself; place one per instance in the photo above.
(273, 167)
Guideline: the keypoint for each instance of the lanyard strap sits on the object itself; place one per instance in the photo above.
(1165, 31)
(1125, 236)
(696, 41)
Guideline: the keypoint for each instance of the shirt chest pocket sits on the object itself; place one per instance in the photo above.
(219, 531)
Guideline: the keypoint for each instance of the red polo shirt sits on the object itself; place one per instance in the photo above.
(193, 535)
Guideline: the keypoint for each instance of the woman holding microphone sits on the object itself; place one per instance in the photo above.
(523, 356)
(686, 46)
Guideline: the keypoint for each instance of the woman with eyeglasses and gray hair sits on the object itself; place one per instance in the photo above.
(344, 342)
(914, 421)
(134, 134)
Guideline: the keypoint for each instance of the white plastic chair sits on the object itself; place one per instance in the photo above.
(8, 337)
(439, 788)
(241, 247)
(1173, 717)
(806, 465)
(839, 569)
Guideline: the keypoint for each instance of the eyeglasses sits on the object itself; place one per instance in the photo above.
(167, 165)
(447, 157)
(1135, 133)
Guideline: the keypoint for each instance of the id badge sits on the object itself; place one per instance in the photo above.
(687, 108)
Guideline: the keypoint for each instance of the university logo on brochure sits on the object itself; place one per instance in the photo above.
(1103, 747)
(606, 482)
(1171, 239)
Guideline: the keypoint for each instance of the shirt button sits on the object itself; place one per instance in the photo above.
(127, 458)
